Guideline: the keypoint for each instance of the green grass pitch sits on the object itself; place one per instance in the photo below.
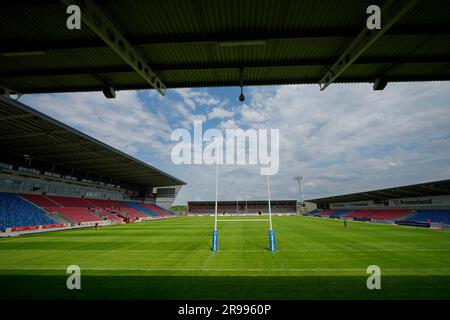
(171, 259)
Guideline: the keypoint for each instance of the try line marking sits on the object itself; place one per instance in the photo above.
(236, 220)
(228, 269)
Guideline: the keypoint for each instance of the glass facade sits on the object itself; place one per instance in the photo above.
(24, 185)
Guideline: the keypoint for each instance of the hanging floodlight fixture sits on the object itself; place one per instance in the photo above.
(241, 78)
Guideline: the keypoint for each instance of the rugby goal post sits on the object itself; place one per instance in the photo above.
(215, 234)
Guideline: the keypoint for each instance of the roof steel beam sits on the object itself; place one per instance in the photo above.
(94, 18)
(45, 146)
(391, 12)
(28, 46)
(30, 134)
(15, 116)
(232, 83)
(228, 65)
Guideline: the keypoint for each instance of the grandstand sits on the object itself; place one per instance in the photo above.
(429, 206)
(53, 176)
(240, 207)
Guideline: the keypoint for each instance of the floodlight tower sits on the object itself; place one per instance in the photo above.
(299, 180)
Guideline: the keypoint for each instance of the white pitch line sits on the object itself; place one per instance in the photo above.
(236, 269)
(238, 220)
(240, 250)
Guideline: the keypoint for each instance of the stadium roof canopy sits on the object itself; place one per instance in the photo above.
(435, 188)
(27, 132)
(203, 202)
(142, 44)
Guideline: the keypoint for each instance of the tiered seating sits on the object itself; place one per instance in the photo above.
(313, 212)
(156, 209)
(107, 214)
(40, 200)
(140, 207)
(133, 212)
(77, 215)
(372, 214)
(17, 212)
(112, 209)
(388, 214)
(360, 213)
(437, 216)
(338, 213)
(326, 212)
(102, 203)
(71, 201)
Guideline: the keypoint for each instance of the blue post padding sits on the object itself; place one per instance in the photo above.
(272, 243)
(215, 241)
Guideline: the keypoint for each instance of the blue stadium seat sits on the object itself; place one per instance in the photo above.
(313, 212)
(17, 212)
(431, 215)
(168, 211)
(339, 213)
(143, 209)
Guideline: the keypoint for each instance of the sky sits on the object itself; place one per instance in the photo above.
(347, 138)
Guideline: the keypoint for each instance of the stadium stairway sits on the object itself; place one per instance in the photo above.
(40, 200)
(105, 214)
(60, 218)
(133, 213)
(18, 212)
(78, 215)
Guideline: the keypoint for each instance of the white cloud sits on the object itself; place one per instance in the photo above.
(124, 122)
(228, 124)
(219, 112)
(196, 97)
